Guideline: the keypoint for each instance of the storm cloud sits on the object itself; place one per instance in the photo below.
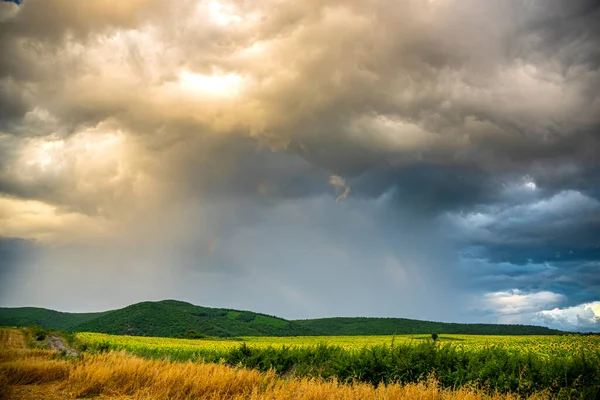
(425, 159)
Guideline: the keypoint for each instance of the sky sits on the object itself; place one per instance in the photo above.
(429, 159)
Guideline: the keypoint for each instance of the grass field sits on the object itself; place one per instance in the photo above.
(41, 374)
(568, 366)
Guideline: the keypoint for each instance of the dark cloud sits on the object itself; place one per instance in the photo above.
(561, 227)
(429, 188)
(13, 104)
(460, 139)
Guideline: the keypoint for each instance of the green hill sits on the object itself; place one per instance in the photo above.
(391, 326)
(161, 318)
(172, 318)
(26, 316)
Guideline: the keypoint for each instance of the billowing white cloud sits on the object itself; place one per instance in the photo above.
(515, 303)
(543, 308)
(583, 317)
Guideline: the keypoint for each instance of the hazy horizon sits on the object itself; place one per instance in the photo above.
(424, 159)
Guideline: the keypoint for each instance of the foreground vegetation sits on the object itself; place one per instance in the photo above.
(566, 366)
(170, 318)
(34, 373)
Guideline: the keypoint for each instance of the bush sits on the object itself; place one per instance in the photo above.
(493, 368)
(38, 333)
(191, 335)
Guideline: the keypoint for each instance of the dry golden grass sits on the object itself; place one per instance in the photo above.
(49, 391)
(34, 374)
(31, 371)
(11, 339)
(120, 374)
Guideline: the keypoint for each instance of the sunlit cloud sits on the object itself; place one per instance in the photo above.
(223, 13)
(516, 302)
(458, 138)
(49, 224)
(582, 317)
(217, 85)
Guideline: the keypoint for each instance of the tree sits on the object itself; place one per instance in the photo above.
(434, 336)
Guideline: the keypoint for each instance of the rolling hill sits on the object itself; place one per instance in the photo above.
(391, 326)
(172, 318)
(25, 316)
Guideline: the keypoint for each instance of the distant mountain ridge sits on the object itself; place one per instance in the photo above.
(171, 318)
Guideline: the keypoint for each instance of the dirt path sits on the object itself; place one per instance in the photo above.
(57, 344)
(14, 339)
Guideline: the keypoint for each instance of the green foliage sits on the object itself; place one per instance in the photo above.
(246, 316)
(390, 326)
(191, 335)
(99, 347)
(38, 333)
(170, 318)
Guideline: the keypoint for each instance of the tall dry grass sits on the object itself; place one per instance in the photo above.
(120, 374)
(11, 339)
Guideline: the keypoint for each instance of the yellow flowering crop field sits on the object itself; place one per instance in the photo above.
(545, 346)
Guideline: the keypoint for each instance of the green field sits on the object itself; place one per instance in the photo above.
(565, 365)
(547, 346)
